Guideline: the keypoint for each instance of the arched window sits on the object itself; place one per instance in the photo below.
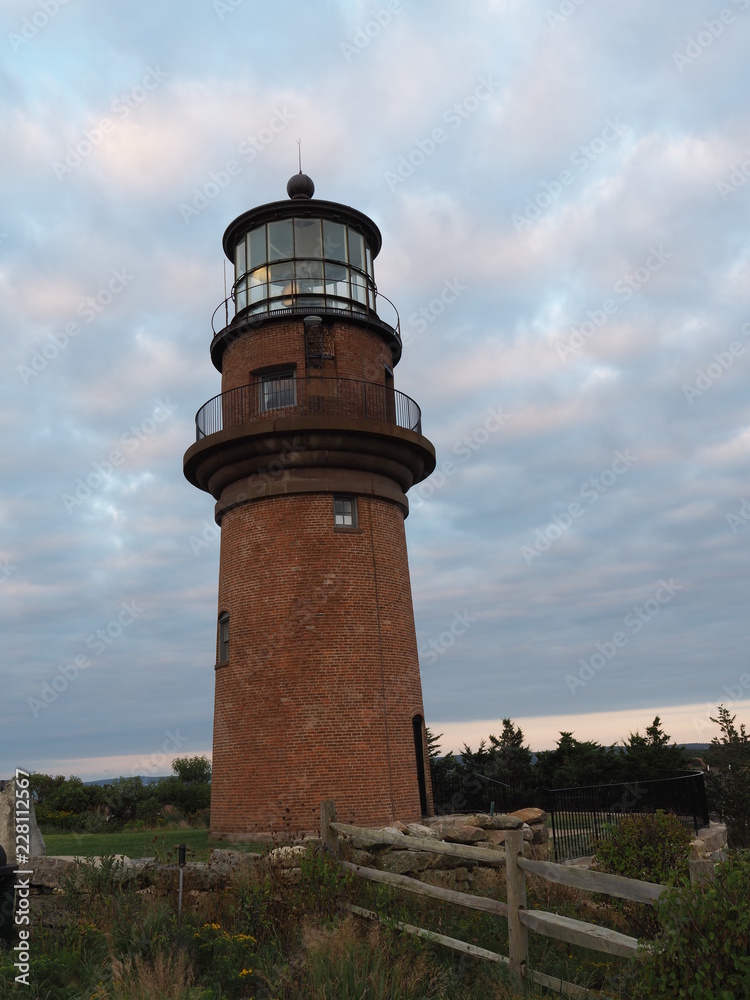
(223, 638)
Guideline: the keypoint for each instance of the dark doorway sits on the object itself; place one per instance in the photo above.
(418, 724)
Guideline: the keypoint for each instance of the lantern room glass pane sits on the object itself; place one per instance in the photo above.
(337, 280)
(258, 288)
(280, 240)
(239, 259)
(356, 250)
(307, 240)
(280, 282)
(358, 287)
(240, 296)
(334, 241)
(310, 276)
(369, 262)
(256, 245)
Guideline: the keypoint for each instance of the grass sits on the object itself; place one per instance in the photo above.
(141, 844)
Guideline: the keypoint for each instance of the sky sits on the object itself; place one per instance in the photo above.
(562, 188)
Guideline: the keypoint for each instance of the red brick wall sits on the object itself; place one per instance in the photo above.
(322, 683)
(359, 353)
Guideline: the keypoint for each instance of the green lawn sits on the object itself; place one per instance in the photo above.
(140, 844)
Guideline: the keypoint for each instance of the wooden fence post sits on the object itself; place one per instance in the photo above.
(518, 935)
(702, 872)
(329, 837)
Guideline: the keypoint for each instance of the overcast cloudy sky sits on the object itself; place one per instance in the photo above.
(562, 187)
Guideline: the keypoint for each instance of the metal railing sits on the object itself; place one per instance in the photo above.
(226, 312)
(581, 816)
(307, 397)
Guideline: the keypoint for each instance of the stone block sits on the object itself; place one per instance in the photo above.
(404, 862)
(419, 830)
(500, 821)
(530, 815)
(457, 834)
(8, 824)
(540, 833)
(714, 836)
(286, 857)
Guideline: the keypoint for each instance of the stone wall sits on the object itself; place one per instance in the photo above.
(8, 823)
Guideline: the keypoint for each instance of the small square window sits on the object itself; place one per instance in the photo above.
(345, 512)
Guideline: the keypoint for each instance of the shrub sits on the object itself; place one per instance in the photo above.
(703, 951)
(652, 847)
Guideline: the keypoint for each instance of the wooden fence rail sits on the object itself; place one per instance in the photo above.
(520, 919)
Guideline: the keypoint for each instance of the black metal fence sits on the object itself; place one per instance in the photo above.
(580, 815)
(307, 397)
(468, 791)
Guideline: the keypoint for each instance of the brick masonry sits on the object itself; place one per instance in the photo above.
(321, 686)
(317, 699)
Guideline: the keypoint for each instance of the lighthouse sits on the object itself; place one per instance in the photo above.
(309, 451)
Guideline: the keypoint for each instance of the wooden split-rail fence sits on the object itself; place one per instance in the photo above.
(520, 919)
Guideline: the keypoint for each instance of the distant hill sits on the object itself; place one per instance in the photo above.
(146, 779)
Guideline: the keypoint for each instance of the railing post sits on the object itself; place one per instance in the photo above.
(328, 837)
(518, 935)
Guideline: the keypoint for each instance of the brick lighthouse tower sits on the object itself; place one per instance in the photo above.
(309, 451)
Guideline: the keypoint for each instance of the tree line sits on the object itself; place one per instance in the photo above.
(508, 759)
(69, 804)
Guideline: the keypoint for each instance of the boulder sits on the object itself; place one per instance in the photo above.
(540, 832)
(456, 834)
(419, 830)
(8, 824)
(52, 872)
(286, 857)
(402, 862)
(501, 821)
(714, 836)
(530, 815)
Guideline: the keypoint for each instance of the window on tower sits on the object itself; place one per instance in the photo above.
(345, 512)
(223, 638)
(277, 389)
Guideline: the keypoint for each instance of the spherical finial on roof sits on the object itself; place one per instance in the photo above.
(300, 186)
